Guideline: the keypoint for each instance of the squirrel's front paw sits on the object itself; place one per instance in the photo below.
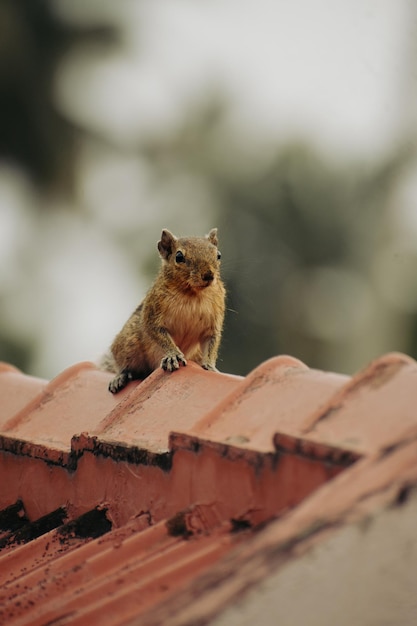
(173, 361)
(209, 367)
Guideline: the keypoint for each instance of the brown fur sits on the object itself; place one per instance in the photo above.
(181, 316)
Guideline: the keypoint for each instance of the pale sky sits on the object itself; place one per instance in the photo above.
(331, 70)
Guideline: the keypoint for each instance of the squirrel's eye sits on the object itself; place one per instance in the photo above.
(219, 255)
(179, 257)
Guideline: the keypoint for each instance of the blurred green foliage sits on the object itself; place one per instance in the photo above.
(300, 236)
(33, 132)
(301, 233)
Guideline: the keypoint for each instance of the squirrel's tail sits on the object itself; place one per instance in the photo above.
(107, 363)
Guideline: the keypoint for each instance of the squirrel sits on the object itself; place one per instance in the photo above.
(180, 318)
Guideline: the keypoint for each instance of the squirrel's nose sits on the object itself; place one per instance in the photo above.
(208, 276)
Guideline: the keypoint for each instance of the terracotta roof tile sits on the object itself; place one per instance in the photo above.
(14, 393)
(369, 487)
(48, 547)
(61, 408)
(142, 505)
(364, 414)
(279, 395)
(147, 415)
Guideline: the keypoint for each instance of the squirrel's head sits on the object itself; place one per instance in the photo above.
(191, 263)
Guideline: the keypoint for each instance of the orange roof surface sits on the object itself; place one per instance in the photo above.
(170, 502)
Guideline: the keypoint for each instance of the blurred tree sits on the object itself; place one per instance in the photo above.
(299, 237)
(303, 238)
(300, 234)
(34, 136)
(33, 133)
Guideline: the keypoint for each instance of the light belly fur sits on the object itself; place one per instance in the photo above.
(189, 325)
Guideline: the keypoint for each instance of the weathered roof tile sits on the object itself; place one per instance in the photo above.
(373, 410)
(279, 395)
(161, 403)
(72, 402)
(16, 390)
(141, 506)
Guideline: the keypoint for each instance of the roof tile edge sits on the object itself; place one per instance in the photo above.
(380, 370)
(282, 363)
(51, 387)
(6, 367)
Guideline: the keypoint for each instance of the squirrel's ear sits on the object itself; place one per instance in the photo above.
(212, 237)
(166, 243)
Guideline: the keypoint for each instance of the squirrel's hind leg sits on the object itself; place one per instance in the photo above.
(120, 381)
